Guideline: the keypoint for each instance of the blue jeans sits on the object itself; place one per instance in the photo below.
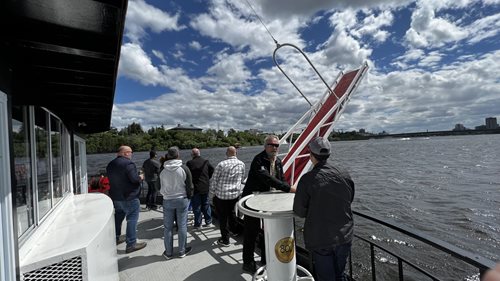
(130, 210)
(329, 263)
(171, 208)
(200, 205)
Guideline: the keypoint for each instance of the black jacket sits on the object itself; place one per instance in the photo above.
(259, 178)
(324, 196)
(151, 169)
(202, 171)
(124, 180)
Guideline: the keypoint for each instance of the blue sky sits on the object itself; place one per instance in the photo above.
(433, 64)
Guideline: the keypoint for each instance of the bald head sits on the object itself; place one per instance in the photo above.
(195, 152)
(231, 151)
(125, 151)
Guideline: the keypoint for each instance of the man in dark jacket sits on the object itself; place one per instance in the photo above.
(202, 171)
(151, 169)
(324, 196)
(266, 174)
(124, 190)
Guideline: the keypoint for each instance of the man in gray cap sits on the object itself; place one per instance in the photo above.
(323, 197)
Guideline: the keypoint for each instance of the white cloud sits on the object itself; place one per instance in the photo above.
(228, 71)
(372, 26)
(484, 28)
(135, 64)
(141, 17)
(343, 49)
(195, 45)
(159, 55)
(428, 31)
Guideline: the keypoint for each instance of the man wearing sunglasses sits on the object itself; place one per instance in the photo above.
(266, 174)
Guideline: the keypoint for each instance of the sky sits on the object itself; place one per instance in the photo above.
(432, 63)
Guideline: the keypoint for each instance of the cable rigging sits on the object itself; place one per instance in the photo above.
(278, 46)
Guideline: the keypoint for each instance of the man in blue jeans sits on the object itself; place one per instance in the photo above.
(176, 189)
(324, 196)
(124, 190)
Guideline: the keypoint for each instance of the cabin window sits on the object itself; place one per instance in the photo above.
(56, 159)
(43, 176)
(42, 156)
(22, 161)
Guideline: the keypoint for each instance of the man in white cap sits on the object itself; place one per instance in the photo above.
(323, 197)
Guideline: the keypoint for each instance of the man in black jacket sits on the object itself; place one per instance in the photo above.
(324, 196)
(151, 169)
(125, 186)
(266, 174)
(202, 171)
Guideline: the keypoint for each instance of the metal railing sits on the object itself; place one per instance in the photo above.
(480, 263)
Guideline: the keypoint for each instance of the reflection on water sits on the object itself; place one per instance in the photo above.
(446, 187)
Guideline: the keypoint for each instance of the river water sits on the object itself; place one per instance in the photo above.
(445, 187)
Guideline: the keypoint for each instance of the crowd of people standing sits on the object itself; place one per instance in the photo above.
(196, 183)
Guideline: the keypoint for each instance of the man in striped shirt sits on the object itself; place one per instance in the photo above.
(226, 187)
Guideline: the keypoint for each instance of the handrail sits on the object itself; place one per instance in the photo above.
(477, 261)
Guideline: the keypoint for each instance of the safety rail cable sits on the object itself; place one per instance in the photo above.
(479, 262)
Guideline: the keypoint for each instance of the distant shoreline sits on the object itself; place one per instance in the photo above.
(439, 133)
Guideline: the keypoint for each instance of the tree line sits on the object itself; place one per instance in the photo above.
(161, 139)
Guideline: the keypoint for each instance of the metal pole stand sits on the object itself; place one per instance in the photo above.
(276, 210)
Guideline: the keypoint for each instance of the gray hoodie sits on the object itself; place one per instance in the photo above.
(173, 180)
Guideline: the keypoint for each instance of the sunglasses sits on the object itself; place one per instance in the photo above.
(273, 144)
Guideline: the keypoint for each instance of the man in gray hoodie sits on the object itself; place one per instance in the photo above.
(177, 190)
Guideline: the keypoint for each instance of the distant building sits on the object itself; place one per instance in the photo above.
(362, 131)
(254, 131)
(459, 127)
(491, 123)
(480, 127)
(189, 128)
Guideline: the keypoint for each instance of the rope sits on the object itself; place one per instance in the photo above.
(269, 32)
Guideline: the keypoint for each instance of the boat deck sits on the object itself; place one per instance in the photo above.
(207, 260)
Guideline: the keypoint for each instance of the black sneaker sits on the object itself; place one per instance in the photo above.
(167, 257)
(250, 267)
(186, 251)
(223, 243)
(136, 247)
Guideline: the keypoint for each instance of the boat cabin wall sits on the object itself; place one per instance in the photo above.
(38, 172)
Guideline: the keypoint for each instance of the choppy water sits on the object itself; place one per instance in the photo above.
(446, 187)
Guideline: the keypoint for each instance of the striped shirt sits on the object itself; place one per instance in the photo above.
(226, 180)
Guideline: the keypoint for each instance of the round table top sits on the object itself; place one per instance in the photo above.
(272, 202)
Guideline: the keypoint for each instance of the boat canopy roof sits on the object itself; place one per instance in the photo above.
(63, 55)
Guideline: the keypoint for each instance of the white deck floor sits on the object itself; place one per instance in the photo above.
(207, 260)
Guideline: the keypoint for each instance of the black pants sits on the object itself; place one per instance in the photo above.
(250, 233)
(227, 219)
(152, 190)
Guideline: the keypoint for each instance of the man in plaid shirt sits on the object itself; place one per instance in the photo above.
(226, 187)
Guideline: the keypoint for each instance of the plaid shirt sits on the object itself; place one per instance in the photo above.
(226, 180)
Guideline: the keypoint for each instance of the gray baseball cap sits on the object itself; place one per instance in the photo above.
(320, 146)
